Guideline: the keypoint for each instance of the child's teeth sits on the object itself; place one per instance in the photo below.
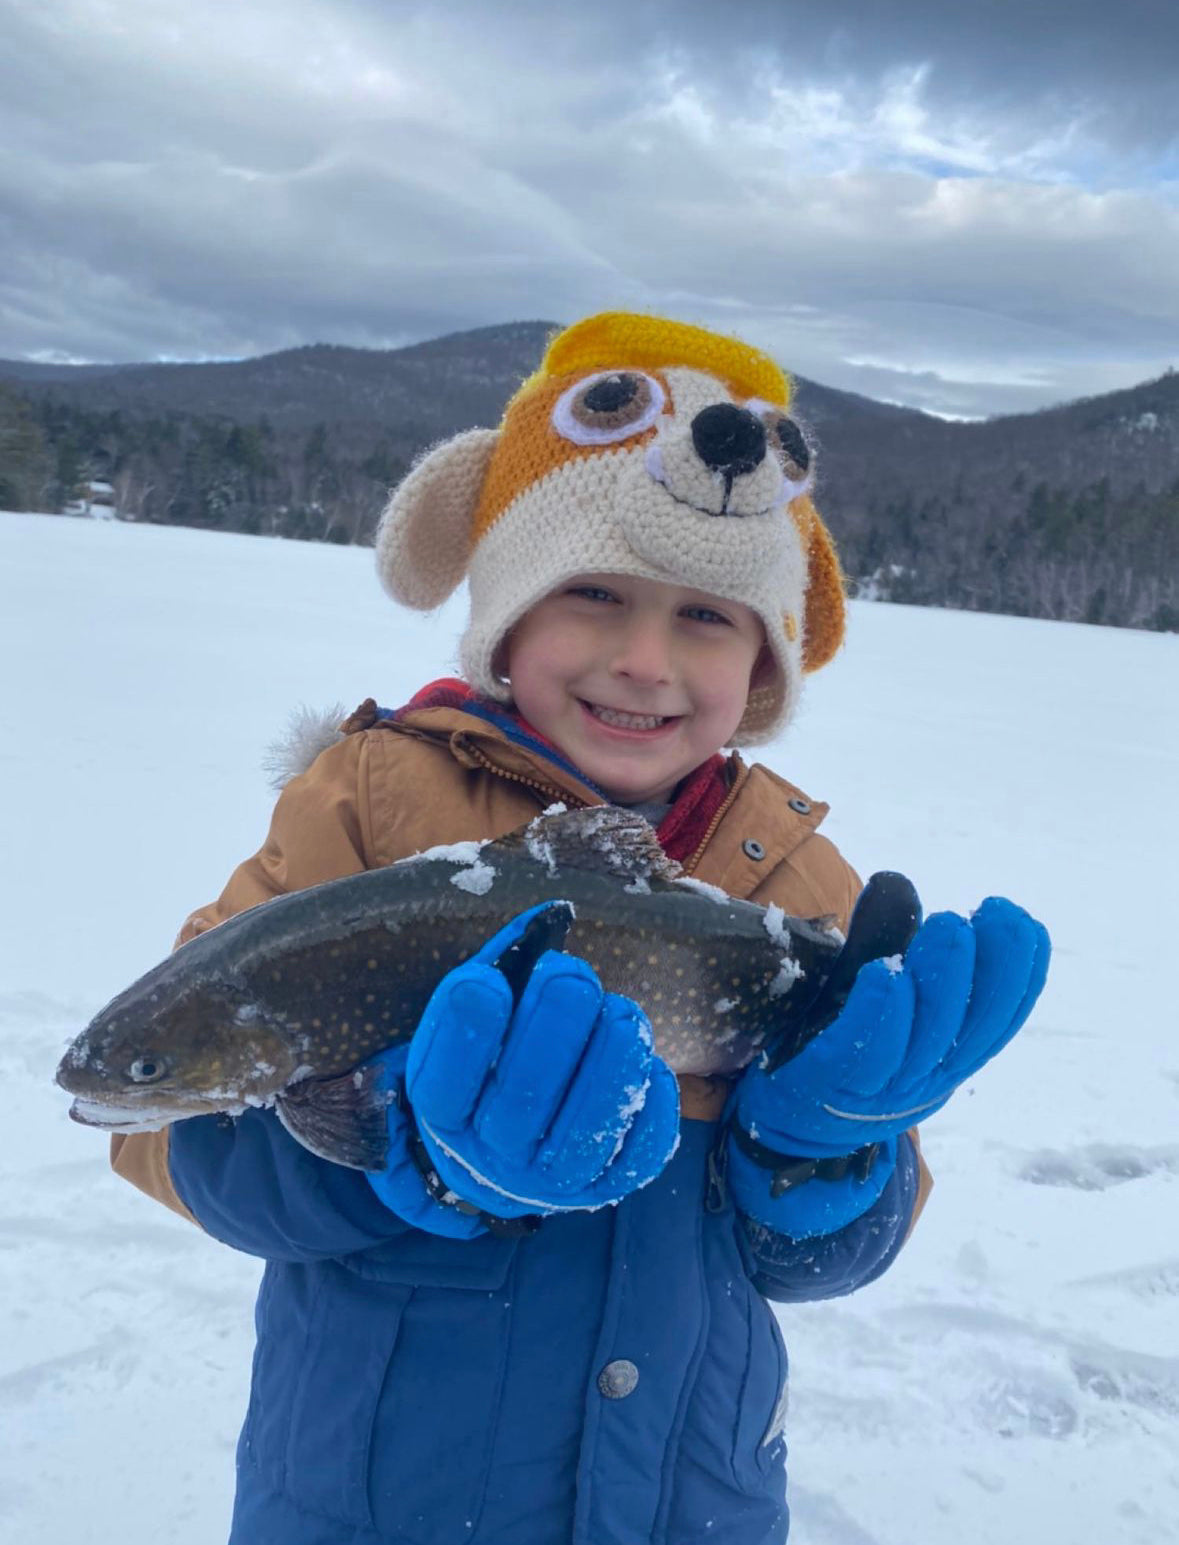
(627, 721)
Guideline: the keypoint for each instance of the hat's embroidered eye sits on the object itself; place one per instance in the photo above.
(787, 439)
(610, 406)
(791, 442)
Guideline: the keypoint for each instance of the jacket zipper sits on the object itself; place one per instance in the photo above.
(690, 866)
(548, 790)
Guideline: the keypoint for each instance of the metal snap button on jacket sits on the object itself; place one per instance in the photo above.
(802, 806)
(752, 848)
(618, 1379)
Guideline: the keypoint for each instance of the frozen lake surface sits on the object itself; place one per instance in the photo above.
(1015, 1378)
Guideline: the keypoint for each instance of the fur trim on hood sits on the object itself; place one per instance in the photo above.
(308, 732)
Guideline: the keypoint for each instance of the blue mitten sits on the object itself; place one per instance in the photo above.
(552, 1103)
(813, 1143)
(402, 1184)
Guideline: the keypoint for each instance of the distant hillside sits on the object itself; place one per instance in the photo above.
(31, 370)
(418, 392)
(1072, 512)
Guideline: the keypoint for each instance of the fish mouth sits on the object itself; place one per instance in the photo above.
(627, 721)
(126, 1118)
(89, 1113)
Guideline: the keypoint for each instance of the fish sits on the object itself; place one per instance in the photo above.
(284, 1004)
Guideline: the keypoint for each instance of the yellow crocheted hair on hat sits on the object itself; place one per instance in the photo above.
(652, 343)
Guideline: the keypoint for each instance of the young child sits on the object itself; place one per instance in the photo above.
(546, 1321)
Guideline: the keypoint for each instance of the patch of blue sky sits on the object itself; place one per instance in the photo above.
(936, 166)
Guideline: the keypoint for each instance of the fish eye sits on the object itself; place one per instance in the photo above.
(609, 406)
(147, 1069)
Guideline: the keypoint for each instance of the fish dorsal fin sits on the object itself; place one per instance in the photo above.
(607, 838)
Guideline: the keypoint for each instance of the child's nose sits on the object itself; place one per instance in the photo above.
(644, 654)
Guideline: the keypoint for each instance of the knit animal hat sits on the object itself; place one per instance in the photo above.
(640, 446)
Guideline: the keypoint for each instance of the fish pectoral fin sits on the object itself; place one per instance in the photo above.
(607, 838)
(344, 1119)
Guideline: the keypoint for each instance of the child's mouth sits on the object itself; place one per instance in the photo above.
(617, 719)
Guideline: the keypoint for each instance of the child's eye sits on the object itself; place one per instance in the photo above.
(591, 592)
(706, 614)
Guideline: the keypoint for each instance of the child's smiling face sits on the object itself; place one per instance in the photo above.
(636, 681)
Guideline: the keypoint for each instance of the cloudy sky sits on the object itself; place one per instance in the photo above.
(970, 207)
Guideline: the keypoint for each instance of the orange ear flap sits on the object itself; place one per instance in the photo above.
(823, 622)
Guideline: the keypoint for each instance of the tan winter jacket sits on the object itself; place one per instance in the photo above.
(387, 790)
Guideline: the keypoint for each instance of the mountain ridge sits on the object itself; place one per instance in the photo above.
(1070, 511)
(170, 384)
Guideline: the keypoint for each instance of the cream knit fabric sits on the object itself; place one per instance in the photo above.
(600, 470)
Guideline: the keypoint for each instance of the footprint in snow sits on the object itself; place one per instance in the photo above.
(1097, 1166)
(1155, 1279)
(104, 1365)
(1034, 1381)
(1039, 1402)
(1026, 1402)
(1129, 1378)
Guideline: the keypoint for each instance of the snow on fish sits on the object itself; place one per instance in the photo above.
(282, 1004)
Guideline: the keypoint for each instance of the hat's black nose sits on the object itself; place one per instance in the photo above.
(729, 439)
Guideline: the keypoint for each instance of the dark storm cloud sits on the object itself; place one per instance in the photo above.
(1116, 62)
(967, 208)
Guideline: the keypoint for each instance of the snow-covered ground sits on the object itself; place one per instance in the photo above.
(1015, 1378)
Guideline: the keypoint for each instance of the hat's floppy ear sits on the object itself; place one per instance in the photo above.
(424, 539)
(823, 619)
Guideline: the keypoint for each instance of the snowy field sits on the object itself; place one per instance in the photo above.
(1015, 1379)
